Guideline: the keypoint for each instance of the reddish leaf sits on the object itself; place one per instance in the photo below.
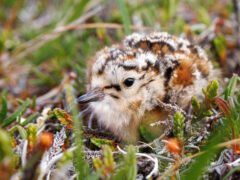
(223, 106)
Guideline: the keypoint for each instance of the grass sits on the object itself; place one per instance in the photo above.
(44, 50)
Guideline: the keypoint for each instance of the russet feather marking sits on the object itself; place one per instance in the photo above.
(161, 67)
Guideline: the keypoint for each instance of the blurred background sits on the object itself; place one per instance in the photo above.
(44, 48)
(44, 44)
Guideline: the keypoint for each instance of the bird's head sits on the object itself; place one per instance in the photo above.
(122, 86)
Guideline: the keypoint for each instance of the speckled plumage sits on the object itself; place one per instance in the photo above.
(162, 66)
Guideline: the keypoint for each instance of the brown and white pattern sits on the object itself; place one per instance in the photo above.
(145, 67)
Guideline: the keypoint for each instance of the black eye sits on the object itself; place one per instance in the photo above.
(128, 82)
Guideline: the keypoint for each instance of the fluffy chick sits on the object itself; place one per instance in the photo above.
(126, 80)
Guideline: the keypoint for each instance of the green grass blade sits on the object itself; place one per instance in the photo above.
(231, 173)
(3, 112)
(231, 86)
(81, 166)
(129, 169)
(125, 16)
(131, 163)
(200, 164)
(31, 118)
(78, 9)
(18, 112)
(169, 7)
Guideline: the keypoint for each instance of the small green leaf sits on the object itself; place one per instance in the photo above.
(195, 104)
(63, 117)
(211, 90)
(178, 125)
(3, 112)
(106, 167)
(98, 164)
(220, 45)
(20, 129)
(108, 157)
(100, 142)
(208, 113)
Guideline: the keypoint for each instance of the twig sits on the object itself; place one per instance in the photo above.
(208, 35)
(53, 92)
(213, 118)
(161, 122)
(188, 120)
(228, 143)
(172, 108)
(235, 163)
(24, 153)
(98, 25)
(39, 41)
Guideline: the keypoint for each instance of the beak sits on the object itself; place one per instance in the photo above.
(91, 96)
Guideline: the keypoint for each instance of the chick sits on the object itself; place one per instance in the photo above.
(126, 81)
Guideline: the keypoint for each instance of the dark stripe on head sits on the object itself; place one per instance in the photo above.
(115, 86)
(142, 77)
(128, 67)
(100, 71)
(147, 67)
(169, 71)
(167, 75)
(143, 85)
(114, 96)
